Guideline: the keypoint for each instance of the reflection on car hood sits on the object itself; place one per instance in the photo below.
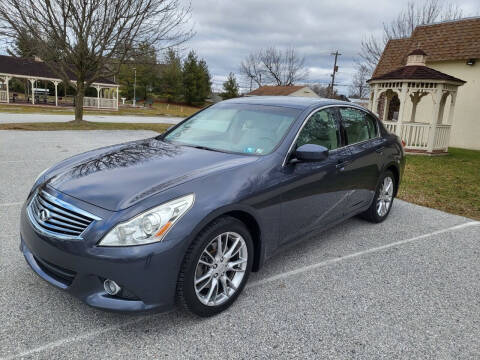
(123, 175)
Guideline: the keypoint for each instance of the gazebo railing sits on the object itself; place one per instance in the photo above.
(442, 137)
(104, 103)
(3, 96)
(416, 135)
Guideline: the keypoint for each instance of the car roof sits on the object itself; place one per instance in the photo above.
(295, 102)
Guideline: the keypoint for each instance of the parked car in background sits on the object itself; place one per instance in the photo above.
(183, 218)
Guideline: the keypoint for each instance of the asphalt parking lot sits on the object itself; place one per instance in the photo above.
(408, 288)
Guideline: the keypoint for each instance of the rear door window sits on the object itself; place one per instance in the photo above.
(359, 126)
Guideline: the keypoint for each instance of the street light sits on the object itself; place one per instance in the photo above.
(135, 88)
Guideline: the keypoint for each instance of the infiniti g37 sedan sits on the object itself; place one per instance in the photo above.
(183, 218)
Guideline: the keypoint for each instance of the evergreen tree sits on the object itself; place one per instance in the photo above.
(144, 60)
(171, 83)
(196, 80)
(230, 88)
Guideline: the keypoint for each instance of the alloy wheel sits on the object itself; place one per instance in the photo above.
(221, 269)
(384, 200)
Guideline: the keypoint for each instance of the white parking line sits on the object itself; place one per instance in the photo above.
(357, 254)
(270, 279)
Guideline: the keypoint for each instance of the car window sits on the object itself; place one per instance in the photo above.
(359, 125)
(321, 129)
(231, 127)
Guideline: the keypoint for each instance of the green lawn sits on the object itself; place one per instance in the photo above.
(84, 125)
(158, 109)
(450, 183)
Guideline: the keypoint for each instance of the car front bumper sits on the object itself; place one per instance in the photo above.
(147, 274)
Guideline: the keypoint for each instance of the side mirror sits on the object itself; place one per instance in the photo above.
(311, 153)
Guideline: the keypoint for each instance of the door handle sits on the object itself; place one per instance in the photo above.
(341, 164)
(380, 149)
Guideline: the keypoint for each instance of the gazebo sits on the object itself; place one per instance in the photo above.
(395, 97)
(35, 70)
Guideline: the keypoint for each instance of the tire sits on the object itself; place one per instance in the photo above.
(226, 281)
(373, 214)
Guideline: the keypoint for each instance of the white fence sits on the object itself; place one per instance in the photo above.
(416, 135)
(3, 96)
(104, 103)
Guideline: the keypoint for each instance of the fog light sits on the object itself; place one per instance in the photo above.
(111, 287)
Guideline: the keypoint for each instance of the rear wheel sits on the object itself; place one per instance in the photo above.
(216, 267)
(383, 200)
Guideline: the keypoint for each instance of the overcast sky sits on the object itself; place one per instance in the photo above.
(227, 31)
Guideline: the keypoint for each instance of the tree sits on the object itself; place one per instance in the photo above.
(196, 80)
(230, 88)
(402, 26)
(22, 47)
(274, 66)
(171, 83)
(87, 40)
(143, 61)
(325, 92)
(359, 87)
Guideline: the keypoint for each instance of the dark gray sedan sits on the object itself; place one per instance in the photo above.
(184, 218)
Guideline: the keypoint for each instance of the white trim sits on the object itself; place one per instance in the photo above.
(56, 79)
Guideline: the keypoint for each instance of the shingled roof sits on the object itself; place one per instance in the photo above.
(416, 72)
(30, 67)
(445, 41)
(267, 90)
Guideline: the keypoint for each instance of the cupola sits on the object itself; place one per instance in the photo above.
(417, 57)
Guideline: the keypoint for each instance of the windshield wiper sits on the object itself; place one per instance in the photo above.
(204, 148)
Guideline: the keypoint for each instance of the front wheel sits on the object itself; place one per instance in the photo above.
(216, 267)
(383, 199)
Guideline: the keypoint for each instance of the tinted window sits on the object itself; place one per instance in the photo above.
(359, 126)
(321, 129)
(244, 128)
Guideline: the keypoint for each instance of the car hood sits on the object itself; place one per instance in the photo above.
(121, 176)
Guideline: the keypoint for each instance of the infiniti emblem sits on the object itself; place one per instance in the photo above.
(44, 215)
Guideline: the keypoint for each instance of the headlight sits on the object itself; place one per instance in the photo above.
(150, 226)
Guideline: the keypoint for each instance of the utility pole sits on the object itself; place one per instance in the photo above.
(335, 69)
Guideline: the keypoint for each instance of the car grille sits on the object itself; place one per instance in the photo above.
(58, 218)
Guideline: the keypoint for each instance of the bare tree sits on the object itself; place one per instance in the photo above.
(359, 87)
(86, 40)
(274, 66)
(414, 14)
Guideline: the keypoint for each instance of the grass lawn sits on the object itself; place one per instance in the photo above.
(84, 125)
(450, 183)
(158, 109)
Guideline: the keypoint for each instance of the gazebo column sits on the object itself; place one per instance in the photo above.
(401, 113)
(453, 96)
(386, 106)
(32, 81)
(98, 96)
(437, 99)
(7, 79)
(56, 92)
(374, 101)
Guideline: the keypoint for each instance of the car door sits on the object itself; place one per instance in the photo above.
(315, 193)
(361, 134)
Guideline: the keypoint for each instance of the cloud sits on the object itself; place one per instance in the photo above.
(227, 31)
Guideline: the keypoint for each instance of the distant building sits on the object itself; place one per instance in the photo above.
(291, 90)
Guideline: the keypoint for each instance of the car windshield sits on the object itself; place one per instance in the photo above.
(240, 128)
